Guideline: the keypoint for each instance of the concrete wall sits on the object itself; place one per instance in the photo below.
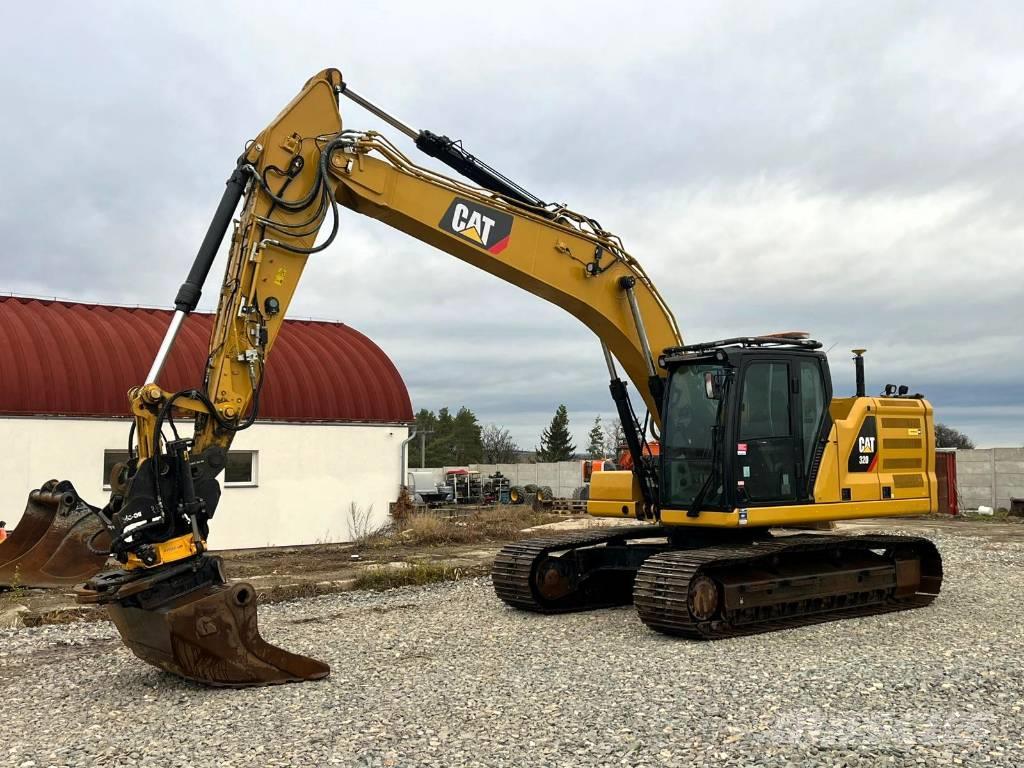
(563, 476)
(307, 475)
(990, 476)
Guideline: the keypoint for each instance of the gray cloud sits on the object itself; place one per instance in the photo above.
(844, 168)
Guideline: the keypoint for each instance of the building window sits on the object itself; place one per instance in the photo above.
(241, 469)
(110, 458)
(239, 473)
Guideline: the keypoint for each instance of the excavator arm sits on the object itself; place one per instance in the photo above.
(292, 179)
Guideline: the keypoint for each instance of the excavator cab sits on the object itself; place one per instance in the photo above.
(744, 422)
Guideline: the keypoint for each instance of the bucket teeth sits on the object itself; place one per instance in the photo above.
(190, 623)
(59, 541)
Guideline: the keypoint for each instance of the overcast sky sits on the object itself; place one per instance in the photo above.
(850, 169)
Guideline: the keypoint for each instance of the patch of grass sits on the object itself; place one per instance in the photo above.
(492, 524)
(496, 524)
(415, 574)
(1001, 515)
(427, 529)
(361, 527)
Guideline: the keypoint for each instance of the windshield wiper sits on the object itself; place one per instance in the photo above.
(698, 500)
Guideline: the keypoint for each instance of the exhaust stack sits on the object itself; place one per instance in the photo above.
(858, 362)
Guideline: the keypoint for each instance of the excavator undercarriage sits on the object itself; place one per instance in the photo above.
(690, 587)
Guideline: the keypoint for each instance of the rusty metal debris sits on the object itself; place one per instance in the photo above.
(59, 541)
(188, 621)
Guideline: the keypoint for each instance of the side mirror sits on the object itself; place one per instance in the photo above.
(712, 386)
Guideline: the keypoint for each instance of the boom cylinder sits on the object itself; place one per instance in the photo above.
(165, 346)
(192, 288)
(654, 382)
(452, 154)
(190, 291)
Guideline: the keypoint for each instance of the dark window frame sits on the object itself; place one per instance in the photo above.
(113, 455)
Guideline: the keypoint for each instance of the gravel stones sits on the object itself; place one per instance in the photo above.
(446, 675)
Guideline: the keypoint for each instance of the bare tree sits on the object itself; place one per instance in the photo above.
(614, 438)
(499, 447)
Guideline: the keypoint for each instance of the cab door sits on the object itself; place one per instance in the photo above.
(782, 403)
(766, 458)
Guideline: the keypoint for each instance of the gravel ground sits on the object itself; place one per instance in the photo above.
(447, 676)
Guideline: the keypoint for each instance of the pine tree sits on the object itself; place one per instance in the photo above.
(450, 440)
(595, 444)
(466, 433)
(556, 442)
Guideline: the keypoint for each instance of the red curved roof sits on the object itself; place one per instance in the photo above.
(71, 359)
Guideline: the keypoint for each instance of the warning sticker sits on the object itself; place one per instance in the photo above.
(741, 449)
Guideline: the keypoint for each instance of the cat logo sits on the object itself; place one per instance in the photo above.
(864, 454)
(485, 227)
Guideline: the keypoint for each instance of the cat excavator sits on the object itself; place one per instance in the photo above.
(752, 440)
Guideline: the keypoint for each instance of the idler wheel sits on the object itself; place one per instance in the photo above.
(703, 598)
(555, 578)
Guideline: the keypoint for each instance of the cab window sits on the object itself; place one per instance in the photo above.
(764, 409)
(812, 407)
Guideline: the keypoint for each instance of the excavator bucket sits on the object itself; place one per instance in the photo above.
(59, 541)
(205, 632)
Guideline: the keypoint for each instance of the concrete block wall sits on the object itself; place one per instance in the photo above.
(562, 476)
(990, 476)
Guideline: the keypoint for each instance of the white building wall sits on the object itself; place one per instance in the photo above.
(308, 475)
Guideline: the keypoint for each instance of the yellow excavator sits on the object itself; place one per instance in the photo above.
(751, 437)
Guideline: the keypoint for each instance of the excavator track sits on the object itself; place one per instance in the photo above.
(551, 574)
(785, 582)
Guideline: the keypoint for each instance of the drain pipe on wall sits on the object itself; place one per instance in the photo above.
(402, 458)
